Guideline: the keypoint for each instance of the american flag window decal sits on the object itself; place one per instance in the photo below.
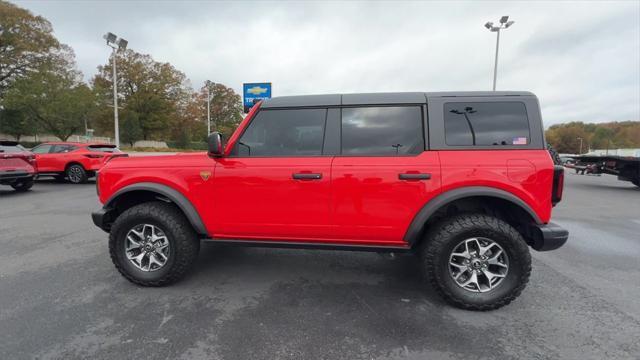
(519, 140)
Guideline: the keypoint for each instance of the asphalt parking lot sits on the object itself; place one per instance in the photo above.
(61, 298)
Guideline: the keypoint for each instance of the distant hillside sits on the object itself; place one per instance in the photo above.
(565, 138)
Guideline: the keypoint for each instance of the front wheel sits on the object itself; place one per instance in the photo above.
(476, 261)
(153, 244)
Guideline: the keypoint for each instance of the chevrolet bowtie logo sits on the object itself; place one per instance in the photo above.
(257, 90)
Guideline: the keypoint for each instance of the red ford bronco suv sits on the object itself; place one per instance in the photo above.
(462, 179)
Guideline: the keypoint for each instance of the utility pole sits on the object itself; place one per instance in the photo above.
(504, 23)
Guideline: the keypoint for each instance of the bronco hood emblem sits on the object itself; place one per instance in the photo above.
(205, 175)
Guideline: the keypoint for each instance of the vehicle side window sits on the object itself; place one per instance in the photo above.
(389, 131)
(41, 149)
(488, 123)
(57, 149)
(291, 132)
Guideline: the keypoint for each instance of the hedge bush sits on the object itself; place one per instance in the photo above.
(193, 145)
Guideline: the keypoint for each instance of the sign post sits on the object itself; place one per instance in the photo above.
(254, 92)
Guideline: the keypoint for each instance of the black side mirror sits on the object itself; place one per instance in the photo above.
(214, 144)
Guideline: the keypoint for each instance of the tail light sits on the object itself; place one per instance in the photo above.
(94, 156)
(558, 184)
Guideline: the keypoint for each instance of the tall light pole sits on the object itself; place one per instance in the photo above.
(504, 23)
(580, 144)
(116, 44)
(208, 85)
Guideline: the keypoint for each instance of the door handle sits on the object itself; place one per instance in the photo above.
(410, 176)
(307, 176)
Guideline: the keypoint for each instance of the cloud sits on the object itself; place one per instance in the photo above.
(581, 58)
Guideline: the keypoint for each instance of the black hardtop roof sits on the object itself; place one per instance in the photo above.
(377, 98)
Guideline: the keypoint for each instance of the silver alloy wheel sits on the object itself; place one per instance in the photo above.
(147, 247)
(478, 264)
(75, 174)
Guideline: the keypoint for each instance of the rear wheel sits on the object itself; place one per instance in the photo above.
(476, 261)
(76, 174)
(22, 185)
(153, 244)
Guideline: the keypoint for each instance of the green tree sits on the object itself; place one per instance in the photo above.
(26, 44)
(130, 128)
(16, 123)
(55, 98)
(601, 138)
(150, 89)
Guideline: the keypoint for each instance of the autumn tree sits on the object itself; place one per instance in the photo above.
(565, 138)
(26, 44)
(190, 124)
(148, 90)
(226, 108)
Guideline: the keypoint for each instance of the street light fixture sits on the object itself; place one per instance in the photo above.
(117, 44)
(504, 24)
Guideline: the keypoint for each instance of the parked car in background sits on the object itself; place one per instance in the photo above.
(17, 166)
(74, 161)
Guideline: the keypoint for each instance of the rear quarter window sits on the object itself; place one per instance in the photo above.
(486, 124)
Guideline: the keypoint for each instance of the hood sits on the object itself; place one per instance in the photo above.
(161, 161)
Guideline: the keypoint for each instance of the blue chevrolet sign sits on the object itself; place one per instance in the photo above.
(254, 92)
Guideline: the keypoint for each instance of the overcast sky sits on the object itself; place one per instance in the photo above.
(582, 59)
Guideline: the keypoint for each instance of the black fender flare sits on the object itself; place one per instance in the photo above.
(415, 228)
(163, 190)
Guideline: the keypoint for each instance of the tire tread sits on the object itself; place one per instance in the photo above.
(186, 241)
(440, 235)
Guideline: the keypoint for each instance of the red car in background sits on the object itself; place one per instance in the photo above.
(75, 161)
(17, 166)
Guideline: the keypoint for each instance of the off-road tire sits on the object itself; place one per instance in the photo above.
(446, 235)
(76, 174)
(184, 243)
(22, 185)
